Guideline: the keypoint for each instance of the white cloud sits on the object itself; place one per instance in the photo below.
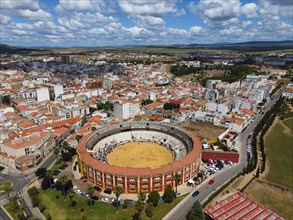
(4, 19)
(82, 5)
(32, 5)
(34, 15)
(217, 13)
(149, 22)
(249, 10)
(195, 29)
(150, 7)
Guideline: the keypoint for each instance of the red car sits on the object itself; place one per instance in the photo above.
(211, 181)
(65, 165)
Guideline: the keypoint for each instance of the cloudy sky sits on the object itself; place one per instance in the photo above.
(143, 22)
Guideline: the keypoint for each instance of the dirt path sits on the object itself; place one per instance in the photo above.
(286, 129)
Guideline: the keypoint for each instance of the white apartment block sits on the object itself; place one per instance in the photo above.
(43, 94)
(125, 109)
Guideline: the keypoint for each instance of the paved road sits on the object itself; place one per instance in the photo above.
(205, 190)
(3, 215)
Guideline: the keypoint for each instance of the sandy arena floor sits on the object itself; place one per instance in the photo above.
(140, 155)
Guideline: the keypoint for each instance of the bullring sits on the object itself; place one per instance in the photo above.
(95, 148)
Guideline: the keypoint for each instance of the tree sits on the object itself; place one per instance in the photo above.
(71, 194)
(168, 195)
(41, 172)
(56, 151)
(90, 190)
(66, 145)
(8, 189)
(154, 198)
(49, 174)
(63, 181)
(196, 212)
(78, 137)
(139, 205)
(117, 191)
(33, 191)
(257, 172)
(46, 183)
(177, 179)
(66, 156)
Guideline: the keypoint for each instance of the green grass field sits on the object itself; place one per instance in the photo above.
(271, 197)
(280, 155)
(59, 208)
(289, 123)
(3, 184)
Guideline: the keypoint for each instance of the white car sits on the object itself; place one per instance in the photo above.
(105, 199)
(74, 188)
(78, 191)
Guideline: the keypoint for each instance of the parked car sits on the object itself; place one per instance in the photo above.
(195, 193)
(65, 165)
(85, 194)
(105, 200)
(128, 201)
(56, 172)
(116, 202)
(211, 181)
(62, 168)
(108, 191)
(97, 188)
(95, 197)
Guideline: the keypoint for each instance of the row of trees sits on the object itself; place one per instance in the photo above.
(261, 129)
(171, 106)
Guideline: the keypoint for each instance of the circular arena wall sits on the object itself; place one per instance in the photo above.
(185, 146)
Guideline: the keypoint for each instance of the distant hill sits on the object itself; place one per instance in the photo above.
(6, 49)
(251, 46)
(250, 43)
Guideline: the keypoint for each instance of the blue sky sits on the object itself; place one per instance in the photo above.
(143, 22)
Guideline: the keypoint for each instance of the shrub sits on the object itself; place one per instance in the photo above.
(33, 191)
(42, 207)
(48, 216)
(35, 200)
(81, 209)
(149, 211)
(57, 197)
(124, 206)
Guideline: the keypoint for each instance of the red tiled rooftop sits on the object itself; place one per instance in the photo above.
(239, 206)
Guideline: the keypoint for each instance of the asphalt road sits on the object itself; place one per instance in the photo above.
(3, 215)
(205, 190)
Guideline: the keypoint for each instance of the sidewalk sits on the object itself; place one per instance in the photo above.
(35, 211)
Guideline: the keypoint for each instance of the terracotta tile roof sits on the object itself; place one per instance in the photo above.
(18, 144)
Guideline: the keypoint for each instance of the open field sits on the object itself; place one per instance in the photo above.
(4, 184)
(279, 150)
(140, 155)
(59, 208)
(289, 123)
(276, 199)
(204, 130)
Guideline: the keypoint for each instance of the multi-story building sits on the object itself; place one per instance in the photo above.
(25, 152)
(124, 109)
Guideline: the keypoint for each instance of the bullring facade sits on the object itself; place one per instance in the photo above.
(92, 150)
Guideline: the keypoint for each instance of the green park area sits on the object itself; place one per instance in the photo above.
(59, 208)
(4, 184)
(279, 146)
